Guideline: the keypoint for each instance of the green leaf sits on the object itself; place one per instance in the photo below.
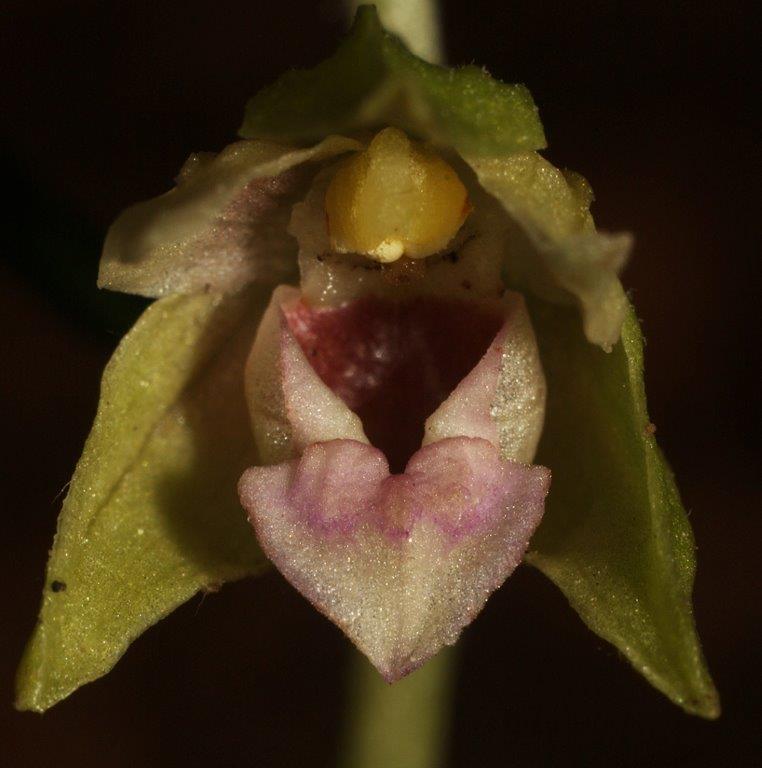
(554, 249)
(615, 537)
(152, 515)
(373, 80)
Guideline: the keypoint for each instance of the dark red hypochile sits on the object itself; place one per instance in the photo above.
(393, 363)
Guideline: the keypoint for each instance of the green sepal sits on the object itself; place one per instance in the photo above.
(373, 80)
(615, 537)
(553, 249)
(152, 515)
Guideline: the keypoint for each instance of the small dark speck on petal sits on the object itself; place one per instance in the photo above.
(58, 586)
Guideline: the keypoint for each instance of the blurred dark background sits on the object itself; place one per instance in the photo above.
(652, 101)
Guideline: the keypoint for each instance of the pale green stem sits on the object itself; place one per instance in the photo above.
(417, 22)
(401, 725)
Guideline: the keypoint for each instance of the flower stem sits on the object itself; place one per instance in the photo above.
(403, 725)
(417, 22)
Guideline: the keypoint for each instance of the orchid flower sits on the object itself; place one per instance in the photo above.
(383, 323)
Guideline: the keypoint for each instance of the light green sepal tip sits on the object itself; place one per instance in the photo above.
(151, 516)
(373, 80)
(615, 537)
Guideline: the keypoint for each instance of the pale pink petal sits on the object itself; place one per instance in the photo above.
(400, 562)
(223, 225)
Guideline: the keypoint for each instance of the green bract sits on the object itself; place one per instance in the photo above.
(373, 80)
(152, 515)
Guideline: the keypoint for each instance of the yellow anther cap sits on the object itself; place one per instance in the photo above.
(396, 198)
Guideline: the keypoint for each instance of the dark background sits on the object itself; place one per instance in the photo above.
(651, 100)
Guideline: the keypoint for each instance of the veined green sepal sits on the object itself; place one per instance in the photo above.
(151, 516)
(615, 537)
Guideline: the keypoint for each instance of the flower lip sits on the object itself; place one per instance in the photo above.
(400, 562)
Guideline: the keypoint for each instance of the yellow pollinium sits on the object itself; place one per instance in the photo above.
(395, 198)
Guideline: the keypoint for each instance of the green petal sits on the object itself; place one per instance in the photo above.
(554, 250)
(615, 537)
(152, 514)
(373, 80)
